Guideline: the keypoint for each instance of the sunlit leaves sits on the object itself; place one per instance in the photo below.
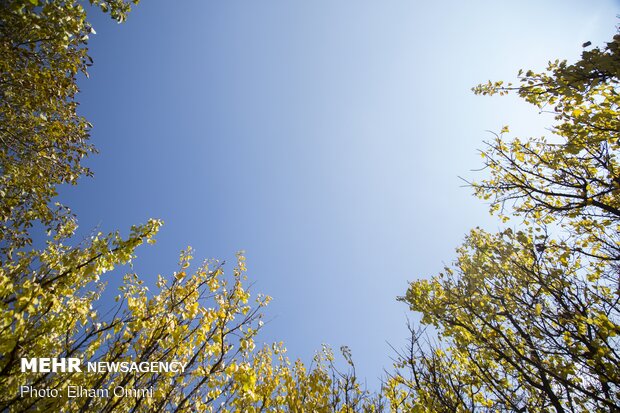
(51, 295)
(528, 320)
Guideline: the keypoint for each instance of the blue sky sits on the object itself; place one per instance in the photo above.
(324, 138)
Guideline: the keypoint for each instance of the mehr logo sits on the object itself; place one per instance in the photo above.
(50, 365)
(72, 365)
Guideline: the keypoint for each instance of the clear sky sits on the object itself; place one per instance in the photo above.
(325, 138)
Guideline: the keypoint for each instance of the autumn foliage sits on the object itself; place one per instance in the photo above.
(524, 320)
(528, 319)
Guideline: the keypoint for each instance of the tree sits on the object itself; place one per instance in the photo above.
(50, 296)
(529, 319)
(43, 140)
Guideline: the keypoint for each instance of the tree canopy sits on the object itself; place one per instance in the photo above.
(50, 295)
(43, 48)
(527, 319)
